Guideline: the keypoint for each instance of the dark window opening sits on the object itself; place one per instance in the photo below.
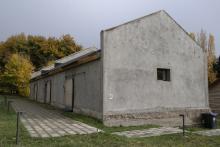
(163, 74)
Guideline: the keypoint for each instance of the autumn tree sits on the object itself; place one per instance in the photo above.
(217, 67)
(208, 45)
(20, 54)
(202, 40)
(211, 59)
(14, 44)
(193, 36)
(17, 73)
(41, 50)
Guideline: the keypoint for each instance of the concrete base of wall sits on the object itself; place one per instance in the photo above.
(162, 118)
(60, 106)
(88, 112)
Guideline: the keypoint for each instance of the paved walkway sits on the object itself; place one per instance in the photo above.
(214, 132)
(41, 122)
(149, 132)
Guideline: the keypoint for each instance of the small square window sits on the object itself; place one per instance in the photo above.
(163, 74)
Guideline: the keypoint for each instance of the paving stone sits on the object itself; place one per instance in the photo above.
(149, 132)
(44, 135)
(78, 131)
(214, 132)
(34, 135)
(55, 135)
(41, 122)
(71, 132)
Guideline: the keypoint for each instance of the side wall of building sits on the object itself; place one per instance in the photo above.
(132, 53)
(87, 79)
(87, 89)
(32, 90)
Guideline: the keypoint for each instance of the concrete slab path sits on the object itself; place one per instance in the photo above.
(41, 122)
(214, 132)
(149, 132)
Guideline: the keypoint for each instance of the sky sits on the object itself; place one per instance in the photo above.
(84, 19)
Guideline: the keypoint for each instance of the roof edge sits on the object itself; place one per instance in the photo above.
(44, 69)
(154, 13)
(112, 28)
(187, 33)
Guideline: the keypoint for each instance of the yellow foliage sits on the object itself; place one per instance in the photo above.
(193, 36)
(212, 75)
(18, 73)
(24, 91)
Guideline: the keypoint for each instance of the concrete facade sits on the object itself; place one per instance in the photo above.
(87, 84)
(122, 87)
(132, 53)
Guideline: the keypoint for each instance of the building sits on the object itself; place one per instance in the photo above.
(214, 96)
(148, 71)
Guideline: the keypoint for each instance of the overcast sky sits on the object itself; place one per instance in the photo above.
(84, 19)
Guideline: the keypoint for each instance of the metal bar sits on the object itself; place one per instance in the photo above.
(5, 98)
(183, 117)
(17, 129)
(8, 107)
(9, 103)
(183, 125)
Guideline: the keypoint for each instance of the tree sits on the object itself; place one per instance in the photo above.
(14, 44)
(202, 40)
(67, 45)
(18, 73)
(211, 59)
(208, 46)
(217, 67)
(41, 50)
(37, 56)
(193, 36)
(19, 53)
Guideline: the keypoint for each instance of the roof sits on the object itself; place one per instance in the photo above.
(65, 61)
(86, 52)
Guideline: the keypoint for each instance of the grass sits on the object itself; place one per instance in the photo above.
(8, 126)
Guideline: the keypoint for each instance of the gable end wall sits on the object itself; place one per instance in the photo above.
(131, 55)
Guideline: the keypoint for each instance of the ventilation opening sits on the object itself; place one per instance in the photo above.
(163, 74)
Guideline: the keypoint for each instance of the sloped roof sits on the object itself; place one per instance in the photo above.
(65, 61)
(85, 52)
(35, 74)
(77, 55)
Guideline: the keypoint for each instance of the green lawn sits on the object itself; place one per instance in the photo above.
(8, 126)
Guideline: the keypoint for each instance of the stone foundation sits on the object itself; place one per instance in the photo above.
(163, 117)
(88, 112)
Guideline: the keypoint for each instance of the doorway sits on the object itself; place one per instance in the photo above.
(35, 91)
(69, 94)
(47, 98)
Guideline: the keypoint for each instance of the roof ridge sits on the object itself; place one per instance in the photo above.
(75, 53)
(66, 60)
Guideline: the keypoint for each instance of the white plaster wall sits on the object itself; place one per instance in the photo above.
(131, 55)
